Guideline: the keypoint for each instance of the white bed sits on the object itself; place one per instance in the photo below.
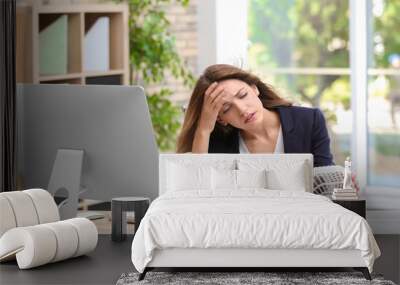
(247, 226)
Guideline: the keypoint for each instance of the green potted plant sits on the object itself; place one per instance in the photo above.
(153, 55)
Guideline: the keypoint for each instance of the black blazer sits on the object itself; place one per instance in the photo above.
(303, 129)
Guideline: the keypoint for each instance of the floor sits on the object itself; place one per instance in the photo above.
(388, 263)
(111, 259)
(103, 266)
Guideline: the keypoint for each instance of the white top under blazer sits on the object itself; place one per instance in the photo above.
(279, 148)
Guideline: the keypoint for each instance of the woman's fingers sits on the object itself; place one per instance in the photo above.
(220, 101)
(216, 94)
(211, 97)
(210, 89)
(215, 97)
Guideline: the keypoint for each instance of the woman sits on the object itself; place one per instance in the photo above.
(233, 111)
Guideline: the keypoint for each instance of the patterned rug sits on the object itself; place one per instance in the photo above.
(273, 278)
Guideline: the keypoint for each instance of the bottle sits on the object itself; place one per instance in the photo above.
(347, 174)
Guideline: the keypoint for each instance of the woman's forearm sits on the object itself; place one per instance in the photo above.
(201, 141)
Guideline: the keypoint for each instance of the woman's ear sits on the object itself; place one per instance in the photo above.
(255, 89)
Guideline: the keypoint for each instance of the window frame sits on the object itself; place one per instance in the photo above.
(383, 202)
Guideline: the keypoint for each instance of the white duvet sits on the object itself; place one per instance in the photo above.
(251, 218)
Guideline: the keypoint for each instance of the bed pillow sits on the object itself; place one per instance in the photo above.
(228, 179)
(251, 178)
(182, 177)
(224, 179)
(293, 179)
(281, 174)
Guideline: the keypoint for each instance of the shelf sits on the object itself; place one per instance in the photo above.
(63, 81)
(104, 80)
(71, 76)
(74, 20)
(60, 77)
(103, 73)
(82, 8)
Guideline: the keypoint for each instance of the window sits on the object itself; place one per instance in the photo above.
(383, 94)
(302, 47)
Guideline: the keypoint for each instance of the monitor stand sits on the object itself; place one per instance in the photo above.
(65, 179)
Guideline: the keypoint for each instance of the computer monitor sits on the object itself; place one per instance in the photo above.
(111, 124)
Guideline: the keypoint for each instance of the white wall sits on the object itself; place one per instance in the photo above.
(222, 32)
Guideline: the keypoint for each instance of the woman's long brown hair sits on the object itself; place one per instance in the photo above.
(216, 73)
